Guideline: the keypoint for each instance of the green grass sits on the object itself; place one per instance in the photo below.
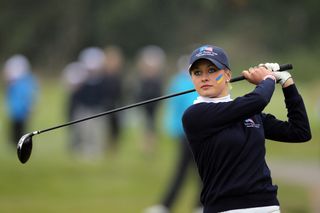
(126, 181)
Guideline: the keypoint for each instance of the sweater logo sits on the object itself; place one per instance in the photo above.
(250, 123)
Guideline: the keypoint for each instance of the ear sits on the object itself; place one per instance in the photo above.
(227, 75)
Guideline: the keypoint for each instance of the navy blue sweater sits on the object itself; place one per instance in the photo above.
(228, 143)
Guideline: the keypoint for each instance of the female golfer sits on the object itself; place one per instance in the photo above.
(227, 137)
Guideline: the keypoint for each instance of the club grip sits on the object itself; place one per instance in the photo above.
(283, 67)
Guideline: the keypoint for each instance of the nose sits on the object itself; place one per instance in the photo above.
(205, 77)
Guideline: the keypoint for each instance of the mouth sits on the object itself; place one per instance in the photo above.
(206, 86)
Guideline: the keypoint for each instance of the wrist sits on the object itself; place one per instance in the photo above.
(270, 76)
(287, 83)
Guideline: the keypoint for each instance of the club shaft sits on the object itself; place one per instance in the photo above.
(117, 110)
(239, 78)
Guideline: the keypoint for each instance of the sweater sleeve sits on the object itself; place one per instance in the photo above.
(214, 116)
(297, 128)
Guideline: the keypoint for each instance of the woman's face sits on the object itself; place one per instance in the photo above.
(208, 80)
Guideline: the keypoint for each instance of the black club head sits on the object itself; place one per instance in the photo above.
(24, 147)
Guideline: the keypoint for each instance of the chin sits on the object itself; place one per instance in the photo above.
(208, 94)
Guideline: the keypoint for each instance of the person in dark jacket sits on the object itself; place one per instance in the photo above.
(227, 137)
(112, 93)
(88, 99)
(150, 62)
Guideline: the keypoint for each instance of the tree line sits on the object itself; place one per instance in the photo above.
(53, 32)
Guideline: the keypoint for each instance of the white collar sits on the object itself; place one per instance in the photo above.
(201, 99)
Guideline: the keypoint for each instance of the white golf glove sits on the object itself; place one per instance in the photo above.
(271, 66)
(281, 77)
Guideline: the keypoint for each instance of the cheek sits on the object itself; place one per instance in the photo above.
(195, 82)
(219, 79)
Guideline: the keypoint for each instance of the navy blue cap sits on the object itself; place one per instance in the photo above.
(212, 53)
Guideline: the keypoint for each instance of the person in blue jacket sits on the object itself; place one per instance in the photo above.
(172, 122)
(227, 136)
(21, 89)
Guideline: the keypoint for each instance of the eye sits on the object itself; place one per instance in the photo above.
(197, 72)
(212, 70)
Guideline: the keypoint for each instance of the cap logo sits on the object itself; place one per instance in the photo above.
(206, 50)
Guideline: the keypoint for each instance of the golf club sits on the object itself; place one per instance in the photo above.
(24, 147)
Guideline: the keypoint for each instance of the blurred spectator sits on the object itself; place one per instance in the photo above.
(174, 110)
(74, 75)
(112, 83)
(151, 61)
(21, 91)
(89, 101)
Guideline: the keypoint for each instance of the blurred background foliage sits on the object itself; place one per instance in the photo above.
(51, 33)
